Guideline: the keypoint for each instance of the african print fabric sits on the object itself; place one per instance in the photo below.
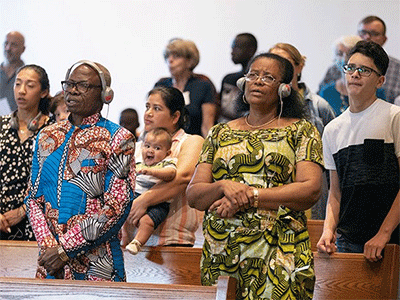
(267, 251)
(82, 186)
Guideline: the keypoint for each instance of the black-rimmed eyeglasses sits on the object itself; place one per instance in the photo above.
(81, 86)
(362, 70)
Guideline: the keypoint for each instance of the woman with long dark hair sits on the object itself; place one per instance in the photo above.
(18, 130)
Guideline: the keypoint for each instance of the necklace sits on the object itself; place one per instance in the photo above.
(258, 126)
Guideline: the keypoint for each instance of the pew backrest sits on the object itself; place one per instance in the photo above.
(351, 276)
(315, 228)
(29, 288)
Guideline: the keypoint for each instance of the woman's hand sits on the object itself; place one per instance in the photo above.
(224, 208)
(138, 209)
(4, 225)
(15, 216)
(239, 194)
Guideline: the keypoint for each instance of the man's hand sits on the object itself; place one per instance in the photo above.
(373, 248)
(51, 261)
(326, 243)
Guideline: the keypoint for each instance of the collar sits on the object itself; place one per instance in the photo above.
(178, 135)
(90, 120)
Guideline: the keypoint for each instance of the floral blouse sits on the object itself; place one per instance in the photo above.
(15, 166)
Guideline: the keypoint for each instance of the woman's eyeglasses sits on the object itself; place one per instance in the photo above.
(267, 79)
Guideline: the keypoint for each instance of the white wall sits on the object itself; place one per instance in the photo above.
(129, 37)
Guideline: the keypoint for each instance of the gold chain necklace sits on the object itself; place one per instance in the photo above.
(258, 126)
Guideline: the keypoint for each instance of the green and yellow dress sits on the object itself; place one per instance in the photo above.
(267, 251)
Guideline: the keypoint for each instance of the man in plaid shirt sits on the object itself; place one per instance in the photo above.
(373, 28)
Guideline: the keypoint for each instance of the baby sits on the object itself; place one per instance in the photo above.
(58, 107)
(154, 168)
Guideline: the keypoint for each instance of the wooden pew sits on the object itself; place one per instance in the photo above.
(158, 269)
(167, 265)
(315, 228)
(351, 276)
(339, 276)
(29, 288)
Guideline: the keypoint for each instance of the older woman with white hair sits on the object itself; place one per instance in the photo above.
(339, 48)
(182, 56)
(333, 87)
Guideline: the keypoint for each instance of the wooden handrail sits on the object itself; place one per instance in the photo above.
(338, 276)
(23, 288)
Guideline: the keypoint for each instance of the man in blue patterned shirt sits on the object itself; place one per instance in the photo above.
(82, 184)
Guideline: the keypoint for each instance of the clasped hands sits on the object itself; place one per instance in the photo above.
(237, 197)
(52, 262)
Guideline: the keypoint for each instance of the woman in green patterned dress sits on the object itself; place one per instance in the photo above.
(255, 177)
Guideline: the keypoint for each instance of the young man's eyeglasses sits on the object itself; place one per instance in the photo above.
(81, 86)
(362, 70)
(267, 79)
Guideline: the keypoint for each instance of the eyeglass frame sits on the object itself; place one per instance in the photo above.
(358, 70)
(363, 32)
(75, 85)
(260, 77)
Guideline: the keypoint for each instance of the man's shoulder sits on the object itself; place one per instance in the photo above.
(389, 106)
(164, 81)
(394, 62)
(55, 126)
(232, 77)
(116, 128)
(320, 101)
(337, 123)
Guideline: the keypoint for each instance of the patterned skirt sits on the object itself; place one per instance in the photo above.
(268, 252)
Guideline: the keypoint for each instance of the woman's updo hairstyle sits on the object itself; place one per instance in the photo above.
(173, 99)
(44, 85)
